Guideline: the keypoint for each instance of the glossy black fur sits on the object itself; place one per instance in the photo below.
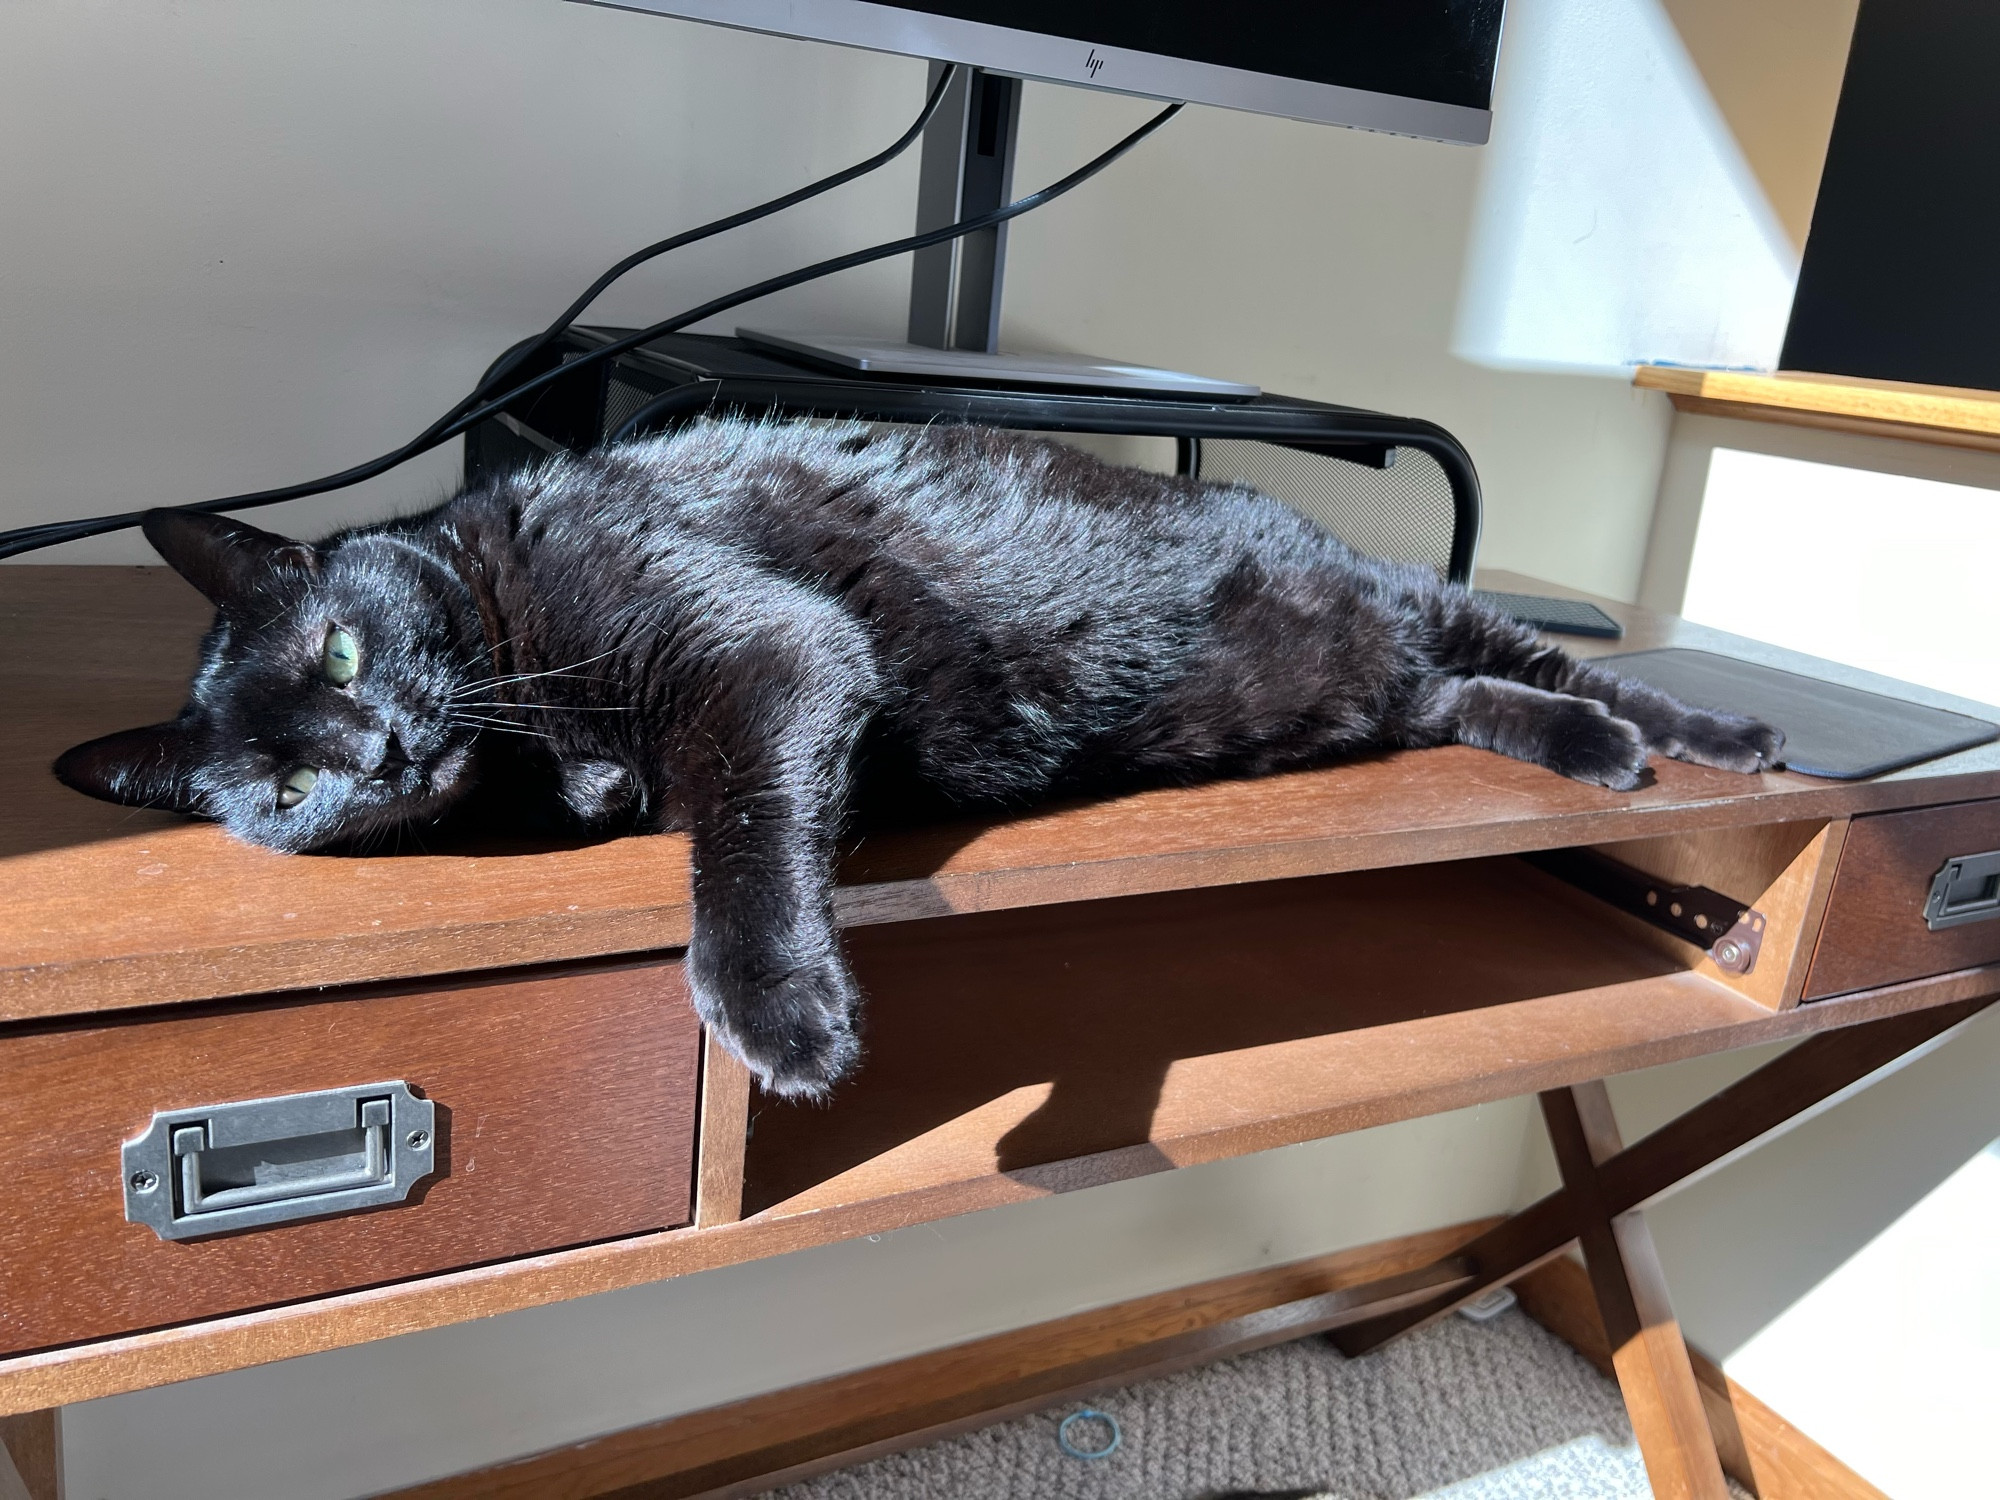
(751, 631)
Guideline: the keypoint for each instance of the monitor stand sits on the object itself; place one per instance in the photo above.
(967, 170)
(1069, 371)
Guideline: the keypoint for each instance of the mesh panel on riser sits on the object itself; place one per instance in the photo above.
(1402, 512)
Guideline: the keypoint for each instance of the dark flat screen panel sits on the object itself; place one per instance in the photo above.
(1421, 49)
(1901, 275)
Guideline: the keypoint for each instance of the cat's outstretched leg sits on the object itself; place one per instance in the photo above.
(1731, 742)
(1578, 737)
(1473, 638)
(761, 764)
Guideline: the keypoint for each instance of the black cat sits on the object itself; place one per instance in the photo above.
(748, 631)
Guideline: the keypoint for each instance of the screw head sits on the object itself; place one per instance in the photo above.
(419, 1139)
(1729, 952)
(144, 1182)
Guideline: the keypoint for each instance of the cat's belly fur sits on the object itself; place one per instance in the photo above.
(1042, 622)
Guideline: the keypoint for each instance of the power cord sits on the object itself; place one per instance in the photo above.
(809, 273)
(32, 538)
(49, 534)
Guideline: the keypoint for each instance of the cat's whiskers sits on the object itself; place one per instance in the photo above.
(488, 683)
(514, 677)
(498, 726)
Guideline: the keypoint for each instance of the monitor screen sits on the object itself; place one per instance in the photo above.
(1411, 67)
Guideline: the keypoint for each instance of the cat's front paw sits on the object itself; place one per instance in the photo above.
(1586, 742)
(1729, 742)
(794, 1030)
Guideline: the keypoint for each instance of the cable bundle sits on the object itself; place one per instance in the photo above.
(482, 402)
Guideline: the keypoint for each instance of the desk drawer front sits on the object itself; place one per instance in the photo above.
(1877, 931)
(562, 1109)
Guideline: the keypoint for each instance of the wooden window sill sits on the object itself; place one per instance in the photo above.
(1945, 415)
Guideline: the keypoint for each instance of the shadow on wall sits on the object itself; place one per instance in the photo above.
(1649, 181)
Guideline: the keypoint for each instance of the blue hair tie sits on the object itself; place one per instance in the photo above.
(1089, 1414)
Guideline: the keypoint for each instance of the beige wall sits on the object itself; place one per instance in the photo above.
(245, 244)
(1774, 69)
(1744, 1242)
(1326, 264)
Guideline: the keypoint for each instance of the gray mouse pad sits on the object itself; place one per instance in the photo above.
(1838, 732)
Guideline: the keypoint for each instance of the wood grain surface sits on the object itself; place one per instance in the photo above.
(787, 1435)
(566, 1115)
(1648, 1355)
(1874, 931)
(31, 1452)
(725, 1124)
(1528, 1054)
(1951, 416)
(1783, 871)
(104, 907)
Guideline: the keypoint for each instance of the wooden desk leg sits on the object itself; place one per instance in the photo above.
(1651, 1361)
(1783, 1088)
(31, 1456)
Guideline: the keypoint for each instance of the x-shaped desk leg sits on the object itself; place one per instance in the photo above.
(1654, 1372)
(1605, 1183)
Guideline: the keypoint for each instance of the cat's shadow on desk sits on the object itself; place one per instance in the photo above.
(1049, 1035)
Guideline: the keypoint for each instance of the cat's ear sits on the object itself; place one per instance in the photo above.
(149, 767)
(226, 559)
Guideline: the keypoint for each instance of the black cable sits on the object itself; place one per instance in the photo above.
(30, 538)
(576, 309)
(846, 262)
(49, 534)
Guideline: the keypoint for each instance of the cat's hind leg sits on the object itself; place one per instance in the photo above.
(1577, 737)
(1471, 637)
(1730, 742)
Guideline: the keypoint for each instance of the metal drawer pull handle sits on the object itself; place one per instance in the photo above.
(1967, 889)
(269, 1161)
(191, 1140)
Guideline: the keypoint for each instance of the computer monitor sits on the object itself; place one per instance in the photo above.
(1406, 67)
(1422, 69)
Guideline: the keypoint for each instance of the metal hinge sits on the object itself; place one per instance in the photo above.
(1729, 931)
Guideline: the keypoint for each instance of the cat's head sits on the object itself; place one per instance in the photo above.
(322, 710)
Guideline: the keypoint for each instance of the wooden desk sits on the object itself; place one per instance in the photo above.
(1057, 1000)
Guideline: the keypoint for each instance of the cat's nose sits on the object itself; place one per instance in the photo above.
(390, 757)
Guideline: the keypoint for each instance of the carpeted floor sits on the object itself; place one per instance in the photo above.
(1463, 1411)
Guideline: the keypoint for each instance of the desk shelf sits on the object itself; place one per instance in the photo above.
(1016, 1053)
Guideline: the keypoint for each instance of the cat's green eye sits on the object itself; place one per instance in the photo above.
(296, 787)
(341, 658)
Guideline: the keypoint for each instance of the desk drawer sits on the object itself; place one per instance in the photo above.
(1875, 930)
(564, 1109)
